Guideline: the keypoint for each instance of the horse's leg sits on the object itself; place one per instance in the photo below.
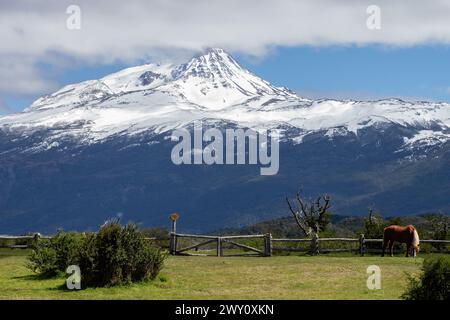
(408, 249)
(391, 247)
(385, 243)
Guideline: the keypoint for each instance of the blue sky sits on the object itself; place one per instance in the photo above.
(354, 72)
(370, 72)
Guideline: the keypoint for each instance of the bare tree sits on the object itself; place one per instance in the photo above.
(311, 217)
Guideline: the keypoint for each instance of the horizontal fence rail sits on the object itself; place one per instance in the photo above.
(215, 244)
(23, 237)
(436, 241)
(20, 242)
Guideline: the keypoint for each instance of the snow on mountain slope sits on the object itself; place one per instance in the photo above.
(161, 97)
(215, 80)
(92, 91)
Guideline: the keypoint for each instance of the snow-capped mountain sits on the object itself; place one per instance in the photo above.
(213, 80)
(99, 148)
(162, 97)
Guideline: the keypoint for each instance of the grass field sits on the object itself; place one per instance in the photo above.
(279, 277)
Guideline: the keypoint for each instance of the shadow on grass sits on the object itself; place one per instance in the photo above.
(159, 281)
(39, 277)
(36, 277)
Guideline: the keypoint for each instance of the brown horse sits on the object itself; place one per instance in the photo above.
(401, 234)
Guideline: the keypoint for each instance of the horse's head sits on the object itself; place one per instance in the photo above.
(415, 249)
(415, 244)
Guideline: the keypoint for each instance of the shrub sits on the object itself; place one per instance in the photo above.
(143, 261)
(440, 229)
(118, 255)
(433, 283)
(52, 256)
(110, 255)
(87, 259)
(113, 256)
(42, 259)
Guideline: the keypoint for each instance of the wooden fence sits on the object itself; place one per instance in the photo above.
(219, 242)
(24, 241)
(360, 246)
(270, 245)
(314, 245)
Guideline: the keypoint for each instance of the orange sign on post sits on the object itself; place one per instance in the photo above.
(174, 216)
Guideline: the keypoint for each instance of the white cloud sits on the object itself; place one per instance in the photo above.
(135, 30)
(20, 75)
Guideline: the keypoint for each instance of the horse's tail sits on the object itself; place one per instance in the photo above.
(386, 235)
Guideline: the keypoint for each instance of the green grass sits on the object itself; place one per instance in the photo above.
(278, 277)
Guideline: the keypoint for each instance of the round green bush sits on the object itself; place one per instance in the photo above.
(433, 283)
(114, 255)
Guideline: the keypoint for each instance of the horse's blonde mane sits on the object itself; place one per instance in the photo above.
(416, 240)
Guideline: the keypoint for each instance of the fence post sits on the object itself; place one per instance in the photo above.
(173, 234)
(268, 245)
(314, 249)
(175, 246)
(36, 238)
(219, 247)
(362, 245)
(173, 243)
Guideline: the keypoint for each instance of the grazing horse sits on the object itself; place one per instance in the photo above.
(401, 234)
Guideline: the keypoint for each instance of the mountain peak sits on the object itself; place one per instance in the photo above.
(218, 54)
(216, 60)
(215, 80)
